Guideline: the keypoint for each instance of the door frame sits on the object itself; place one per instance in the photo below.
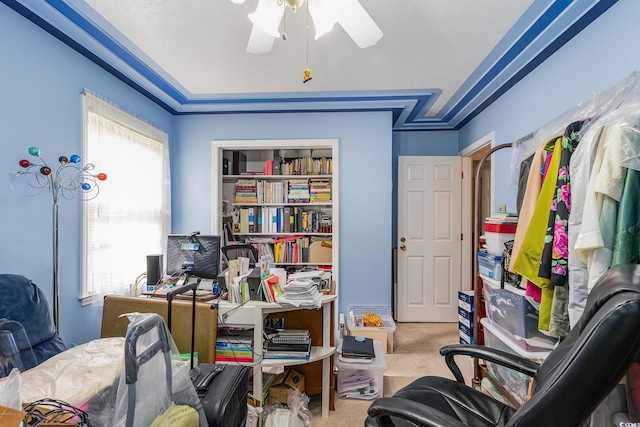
(482, 144)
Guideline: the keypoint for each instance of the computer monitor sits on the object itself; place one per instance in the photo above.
(199, 253)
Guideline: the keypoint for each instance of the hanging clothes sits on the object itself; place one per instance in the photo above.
(626, 247)
(581, 166)
(529, 200)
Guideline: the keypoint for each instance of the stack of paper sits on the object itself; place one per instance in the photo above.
(301, 293)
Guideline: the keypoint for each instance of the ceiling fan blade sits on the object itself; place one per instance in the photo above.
(325, 13)
(259, 41)
(358, 24)
(267, 17)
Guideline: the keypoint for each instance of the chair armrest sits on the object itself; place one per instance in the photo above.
(419, 414)
(508, 360)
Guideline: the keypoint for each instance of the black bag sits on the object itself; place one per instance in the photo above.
(507, 276)
(223, 390)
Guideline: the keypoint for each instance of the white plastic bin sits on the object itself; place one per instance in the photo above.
(496, 235)
(382, 334)
(362, 380)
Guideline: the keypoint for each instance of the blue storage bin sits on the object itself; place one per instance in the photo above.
(490, 265)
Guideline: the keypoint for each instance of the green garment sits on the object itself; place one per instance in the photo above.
(626, 246)
(527, 262)
(559, 320)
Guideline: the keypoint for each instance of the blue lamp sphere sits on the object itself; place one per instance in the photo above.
(74, 158)
(86, 186)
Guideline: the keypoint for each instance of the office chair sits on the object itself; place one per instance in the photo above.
(245, 250)
(567, 387)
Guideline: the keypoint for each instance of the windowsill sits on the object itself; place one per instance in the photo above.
(85, 300)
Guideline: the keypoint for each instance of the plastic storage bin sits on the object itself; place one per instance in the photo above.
(515, 383)
(489, 265)
(495, 235)
(510, 310)
(383, 334)
(362, 380)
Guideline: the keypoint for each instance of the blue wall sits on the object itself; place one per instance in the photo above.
(599, 57)
(364, 192)
(41, 80)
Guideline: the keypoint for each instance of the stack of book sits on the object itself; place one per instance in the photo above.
(289, 344)
(234, 345)
(246, 191)
(502, 218)
(298, 191)
(320, 190)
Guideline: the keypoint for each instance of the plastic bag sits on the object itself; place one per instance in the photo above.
(13, 338)
(10, 390)
(155, 387)
(295, 414)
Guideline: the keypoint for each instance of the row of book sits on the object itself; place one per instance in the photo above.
(234, 345)
(287, 219)
(307, 166)
(252, 191)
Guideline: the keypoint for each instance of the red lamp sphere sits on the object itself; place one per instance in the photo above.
(102, 176)
(24, 163)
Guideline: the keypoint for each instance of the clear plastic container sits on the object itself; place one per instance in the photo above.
(383, 334)
(489, 265)
(362, 380)
(510, 310)
(516, 383)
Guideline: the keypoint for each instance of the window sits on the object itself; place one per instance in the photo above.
(129, 217)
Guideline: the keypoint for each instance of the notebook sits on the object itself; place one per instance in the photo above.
(358, 346)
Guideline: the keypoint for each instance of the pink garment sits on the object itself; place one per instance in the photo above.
(545, 167)
(534, 292)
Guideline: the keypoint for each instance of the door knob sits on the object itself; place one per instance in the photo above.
(402, 239)
(403, 247)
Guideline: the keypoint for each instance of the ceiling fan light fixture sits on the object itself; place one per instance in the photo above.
(267, 17)
(293, 4)
(325, 13)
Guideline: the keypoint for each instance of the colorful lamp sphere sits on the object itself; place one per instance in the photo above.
(86, 186)
(75, 158)
(102, 176)
(45, 170)
(34, 151)
(63, 159)
(25, 163)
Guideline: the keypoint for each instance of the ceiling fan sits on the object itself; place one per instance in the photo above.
(325, 13)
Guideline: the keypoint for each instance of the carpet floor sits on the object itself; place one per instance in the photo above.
(416, 354)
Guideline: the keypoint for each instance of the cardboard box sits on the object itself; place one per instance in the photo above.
(284, 385)
(10, 417)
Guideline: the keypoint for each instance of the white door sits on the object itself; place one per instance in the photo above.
(429, 238)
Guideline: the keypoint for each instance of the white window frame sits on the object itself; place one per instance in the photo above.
(91, 103)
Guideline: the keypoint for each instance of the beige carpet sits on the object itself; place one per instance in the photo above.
(416, 347)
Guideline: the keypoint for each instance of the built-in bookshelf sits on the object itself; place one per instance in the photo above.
(279, 197)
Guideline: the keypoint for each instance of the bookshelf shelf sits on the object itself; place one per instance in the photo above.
(252, 313)
(283, 204)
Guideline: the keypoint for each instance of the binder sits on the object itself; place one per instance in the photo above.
(358, 347)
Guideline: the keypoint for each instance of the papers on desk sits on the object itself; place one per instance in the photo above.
(301, 293)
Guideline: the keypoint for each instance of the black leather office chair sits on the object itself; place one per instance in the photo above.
(567, 386)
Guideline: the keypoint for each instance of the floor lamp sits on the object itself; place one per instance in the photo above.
(68, 181)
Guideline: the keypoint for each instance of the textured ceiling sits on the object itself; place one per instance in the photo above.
(438, 64)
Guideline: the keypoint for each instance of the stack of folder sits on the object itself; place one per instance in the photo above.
(289, 344)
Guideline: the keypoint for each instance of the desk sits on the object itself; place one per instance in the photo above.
(206, 321)
(253, 313)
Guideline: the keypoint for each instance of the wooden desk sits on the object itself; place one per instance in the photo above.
(206, 321)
